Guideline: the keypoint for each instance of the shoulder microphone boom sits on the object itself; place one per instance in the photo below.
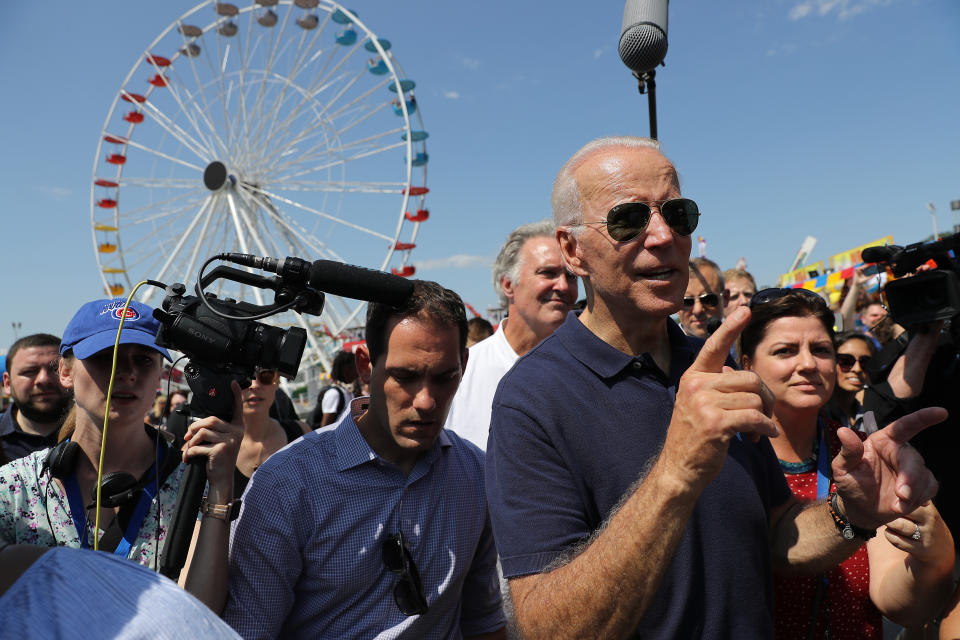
(643, 35)
(334, 277)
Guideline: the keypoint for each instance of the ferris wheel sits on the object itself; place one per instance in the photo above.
(285, 127)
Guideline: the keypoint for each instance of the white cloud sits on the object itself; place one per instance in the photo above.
(57, 193)
(843, 9)
(597, 53)
(470, 63)
(451, 95)
(458, 261)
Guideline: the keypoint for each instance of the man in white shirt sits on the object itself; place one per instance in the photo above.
(538, 291)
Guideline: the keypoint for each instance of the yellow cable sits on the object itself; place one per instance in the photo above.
(106, 413)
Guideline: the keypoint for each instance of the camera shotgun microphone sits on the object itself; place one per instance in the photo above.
(880, 254)
(330, 276)
(643, 45)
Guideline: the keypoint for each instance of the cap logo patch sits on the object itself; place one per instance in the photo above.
(131, 314)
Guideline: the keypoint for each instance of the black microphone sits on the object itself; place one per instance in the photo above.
(333, 277)
(643, 36)
(880, 254)
(359, 283)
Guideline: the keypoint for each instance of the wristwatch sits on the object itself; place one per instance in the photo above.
(228, 512)
(844, 526)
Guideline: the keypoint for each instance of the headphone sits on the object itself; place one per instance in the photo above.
(117, 487)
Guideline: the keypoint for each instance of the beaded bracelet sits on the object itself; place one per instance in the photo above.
(844, 526)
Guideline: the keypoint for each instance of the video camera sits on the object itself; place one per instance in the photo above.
(224, 342)
(927, 296)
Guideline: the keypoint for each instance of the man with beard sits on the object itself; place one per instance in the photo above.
(39, 402)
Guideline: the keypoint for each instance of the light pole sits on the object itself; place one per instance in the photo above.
(16, 329)
(933, 212)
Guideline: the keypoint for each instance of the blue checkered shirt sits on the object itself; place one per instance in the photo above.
(306, 554)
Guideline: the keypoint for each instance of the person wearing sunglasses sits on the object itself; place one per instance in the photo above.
(376, 526)
(631, 483)
(263, 435)
(854, 352)
(704, 300)
(904, 572)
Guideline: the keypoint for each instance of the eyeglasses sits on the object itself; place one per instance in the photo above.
(267, 376)
(706, 299)
(408, 592)
(774, 293)
(846, 361)
(627, 220)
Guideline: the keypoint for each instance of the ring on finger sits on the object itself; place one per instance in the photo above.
(916, 531)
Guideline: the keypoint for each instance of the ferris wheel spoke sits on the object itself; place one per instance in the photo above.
(159, 183)
(167, 123)
(316, 153)
(184, 237)
(322, 214)
(174, 90)
(203, 96)
(277, 43)
(195, 146)
(331, 187)
(165, 156)
(217, 71)
(299, 57)
(161, 203)
(342, 161)
(345, 108)
(238, 227)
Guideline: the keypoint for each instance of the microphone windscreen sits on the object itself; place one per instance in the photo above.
(643, 36)
(359, 283)
(878, 254)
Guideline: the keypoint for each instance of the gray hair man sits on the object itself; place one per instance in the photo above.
(631, 485)
(538, 292)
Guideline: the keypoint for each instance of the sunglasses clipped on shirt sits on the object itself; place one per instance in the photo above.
(408, 591)
(706, 299)
(628, 220)
(846, 361)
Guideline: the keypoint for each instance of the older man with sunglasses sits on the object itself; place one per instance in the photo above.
(632, 487)
(704, 300)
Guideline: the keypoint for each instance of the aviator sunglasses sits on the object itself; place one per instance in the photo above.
(408, 592)
(846, 361)
(627, 220)
(706, 299)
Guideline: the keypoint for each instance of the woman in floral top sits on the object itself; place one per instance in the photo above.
(56, 506)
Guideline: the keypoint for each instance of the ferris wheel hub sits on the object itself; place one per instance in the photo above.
(215, 176)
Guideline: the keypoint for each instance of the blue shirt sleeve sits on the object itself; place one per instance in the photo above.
(482, 605)
(265, 559)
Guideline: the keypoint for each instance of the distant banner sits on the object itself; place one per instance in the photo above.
(802, 274)
(849, 258)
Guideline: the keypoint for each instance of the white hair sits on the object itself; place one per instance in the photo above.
(509, 259)
(565, 199)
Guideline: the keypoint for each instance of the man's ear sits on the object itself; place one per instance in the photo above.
(361, 359)
(65, 370)
(6, 384)
(571, 252)
(506, 284)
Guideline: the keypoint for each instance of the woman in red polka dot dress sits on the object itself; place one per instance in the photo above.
(905, 571)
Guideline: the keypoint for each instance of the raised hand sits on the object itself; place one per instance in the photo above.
(219, 441)
(883, 478)
(714, 403)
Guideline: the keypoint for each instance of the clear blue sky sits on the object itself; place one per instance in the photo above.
(786, 118)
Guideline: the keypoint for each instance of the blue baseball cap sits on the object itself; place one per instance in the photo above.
(94, 328)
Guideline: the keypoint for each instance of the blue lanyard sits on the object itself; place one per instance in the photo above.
(78, 513)
(823, 463)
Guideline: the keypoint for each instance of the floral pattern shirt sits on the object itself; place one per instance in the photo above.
(34, 509)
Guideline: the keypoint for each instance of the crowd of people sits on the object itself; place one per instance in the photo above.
(588, 468)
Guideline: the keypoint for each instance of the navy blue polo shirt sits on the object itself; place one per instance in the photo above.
(17, 443)
(574, 424)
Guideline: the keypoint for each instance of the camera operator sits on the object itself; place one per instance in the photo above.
(50, 497)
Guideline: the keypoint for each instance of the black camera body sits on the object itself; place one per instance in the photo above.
(927, 296)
